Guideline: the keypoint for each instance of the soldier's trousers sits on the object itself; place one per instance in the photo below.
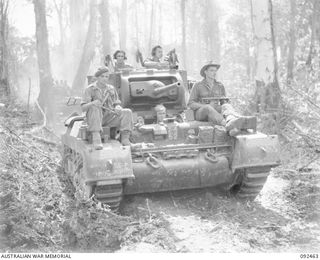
(96, 119)
(211, 114)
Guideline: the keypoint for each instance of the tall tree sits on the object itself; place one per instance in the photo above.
(267, 86)
(183, 43)
(4, 30)
(160, 17)
(212, 33)
(292, 44)
(88, 50)
(105, 26)
(313, 24)
(123, 25)
(43, 56)
(59, 8)
(77, 16)
(151, 24)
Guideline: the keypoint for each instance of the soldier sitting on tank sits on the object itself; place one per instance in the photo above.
(102, 106)
(219, 112)
(154, 62)
(120, 57)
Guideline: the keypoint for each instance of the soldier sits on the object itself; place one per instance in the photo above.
(216, 112)
(120, 57)
(102, 106)
(155, 60)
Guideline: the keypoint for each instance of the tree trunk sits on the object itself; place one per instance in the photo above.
(292, 43)
(247, 61)
(195, 37)
(183, 43)
(313, 24)
(88, 50)
(267, 86)
(160, 25)
(253, 55)
(136, 21)
(213, 32)
(44, 65)
(151, 24)
(59, 10)
(4, 66)
(105, 27)
(123, 25)
(77, 31)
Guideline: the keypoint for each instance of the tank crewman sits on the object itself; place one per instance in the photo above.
(120, 56)
(154, 62)
(219, 113)
(102, 106)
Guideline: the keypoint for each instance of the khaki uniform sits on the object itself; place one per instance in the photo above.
(119, 66)
(98, 117)
(153, 59)
(213, 112)
(158, 61)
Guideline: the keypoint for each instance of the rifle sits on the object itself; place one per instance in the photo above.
(222, 100)
(75, 101)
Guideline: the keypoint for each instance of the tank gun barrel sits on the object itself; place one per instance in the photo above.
(162, 89)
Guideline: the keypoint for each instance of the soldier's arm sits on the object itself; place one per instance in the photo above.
(150, 64)
(194, 98)
(116, 101)
(223, 90)
(223, 94)
(87, 102)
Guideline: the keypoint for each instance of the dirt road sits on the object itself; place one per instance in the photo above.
(39, 211)
(284, 218)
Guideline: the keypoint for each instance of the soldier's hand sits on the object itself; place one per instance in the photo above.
(97, 103)
(117, 109)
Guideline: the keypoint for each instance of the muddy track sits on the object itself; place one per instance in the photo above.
(283, 218)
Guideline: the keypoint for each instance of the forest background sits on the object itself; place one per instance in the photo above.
(74, 36)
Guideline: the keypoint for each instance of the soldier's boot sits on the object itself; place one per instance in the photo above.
(125, 135)
(96, 140)
(242, 122)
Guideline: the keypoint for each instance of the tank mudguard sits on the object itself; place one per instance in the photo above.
(112, 162)
(253, 150)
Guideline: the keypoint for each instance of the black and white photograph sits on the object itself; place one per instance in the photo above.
(134, 127)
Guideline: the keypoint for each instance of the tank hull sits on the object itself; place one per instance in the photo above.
(177, 174)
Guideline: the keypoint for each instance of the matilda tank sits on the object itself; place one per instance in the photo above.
(170, 149)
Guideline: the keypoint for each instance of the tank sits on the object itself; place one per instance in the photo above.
(170, 149)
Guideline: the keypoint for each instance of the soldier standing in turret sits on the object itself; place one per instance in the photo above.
(218, 112)
(102, 106)
(154, 62)
(120, 57)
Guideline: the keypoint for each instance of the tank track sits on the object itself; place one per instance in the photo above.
(250, 182)
(110, 194)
